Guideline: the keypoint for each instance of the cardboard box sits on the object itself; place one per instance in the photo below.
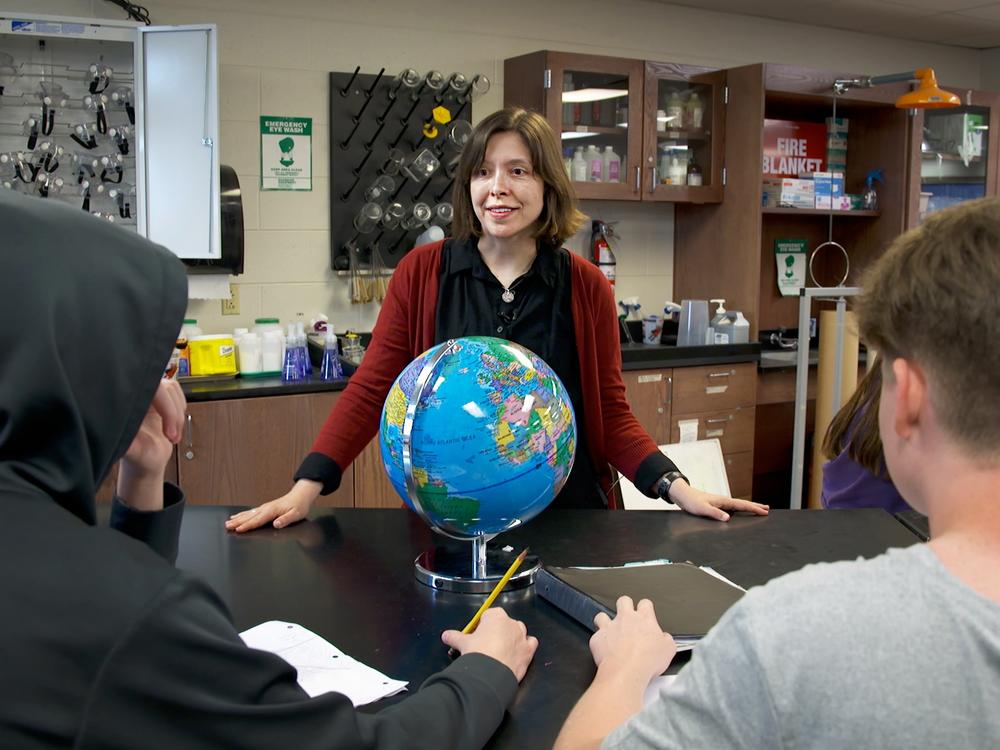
(836, 143)
(787, 192)
(842, 203)
(792, 147)
(829, 187)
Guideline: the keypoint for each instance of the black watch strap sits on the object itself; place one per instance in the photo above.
(663, 486)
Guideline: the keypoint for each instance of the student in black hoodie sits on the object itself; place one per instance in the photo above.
(102, 642)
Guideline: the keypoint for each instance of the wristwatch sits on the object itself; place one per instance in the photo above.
(663, 485)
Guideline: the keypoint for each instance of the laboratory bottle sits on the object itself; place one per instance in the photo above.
(721, 324)
(291, 371)
(612, 166)
(579, 165)
(675, 111)
(595, 164)
(693, 111)
(330, 369)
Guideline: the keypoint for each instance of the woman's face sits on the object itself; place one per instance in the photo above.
(507, 195)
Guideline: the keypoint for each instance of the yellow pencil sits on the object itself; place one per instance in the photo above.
(495, 592)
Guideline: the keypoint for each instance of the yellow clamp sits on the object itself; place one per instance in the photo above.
(439, 116)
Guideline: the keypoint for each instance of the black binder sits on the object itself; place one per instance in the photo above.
(688, 601)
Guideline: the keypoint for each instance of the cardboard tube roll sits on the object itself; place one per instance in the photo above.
(825, 410)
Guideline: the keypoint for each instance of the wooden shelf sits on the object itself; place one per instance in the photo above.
(594, 129)
(817, 212)
(697, 134)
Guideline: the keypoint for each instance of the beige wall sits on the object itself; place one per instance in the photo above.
(274, 57)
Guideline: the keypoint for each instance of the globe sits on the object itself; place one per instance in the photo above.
(477, 436)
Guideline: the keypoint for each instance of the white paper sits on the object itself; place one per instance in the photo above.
(321, 666)
(703, 465)
(688, 429)
(208, 286)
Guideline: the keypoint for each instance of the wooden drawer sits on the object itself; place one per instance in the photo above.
(701, 389)
(739, 469)
(733, 427)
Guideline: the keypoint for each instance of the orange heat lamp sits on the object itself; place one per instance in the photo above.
(927, 95)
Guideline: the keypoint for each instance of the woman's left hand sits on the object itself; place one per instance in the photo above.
(699, 503)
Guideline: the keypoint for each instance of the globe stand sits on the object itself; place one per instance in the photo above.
(448, 569)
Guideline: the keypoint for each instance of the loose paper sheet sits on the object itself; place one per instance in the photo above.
(700, 461)
(321, 666)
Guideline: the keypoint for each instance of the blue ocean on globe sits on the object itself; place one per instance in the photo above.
(493, 436)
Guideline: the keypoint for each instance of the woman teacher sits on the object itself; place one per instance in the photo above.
(504, 273)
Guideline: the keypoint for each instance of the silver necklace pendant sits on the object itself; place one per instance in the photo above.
(507, 296)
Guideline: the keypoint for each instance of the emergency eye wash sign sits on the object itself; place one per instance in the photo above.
(285, 153)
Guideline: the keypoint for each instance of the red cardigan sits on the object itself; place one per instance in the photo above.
(405, 329)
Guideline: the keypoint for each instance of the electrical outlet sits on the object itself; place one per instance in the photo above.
(231, 306)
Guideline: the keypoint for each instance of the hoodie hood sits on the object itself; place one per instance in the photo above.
(90, 315)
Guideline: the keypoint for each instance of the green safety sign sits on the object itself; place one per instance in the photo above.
(285, 153)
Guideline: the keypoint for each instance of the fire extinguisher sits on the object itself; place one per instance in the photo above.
(602, 255)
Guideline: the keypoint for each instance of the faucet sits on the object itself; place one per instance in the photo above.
(778, 339)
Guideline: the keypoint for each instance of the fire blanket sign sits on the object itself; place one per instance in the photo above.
(285, 153)
(791, 149)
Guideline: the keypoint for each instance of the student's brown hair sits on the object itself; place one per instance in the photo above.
(855, 426)
(934, 298)
(560, 217)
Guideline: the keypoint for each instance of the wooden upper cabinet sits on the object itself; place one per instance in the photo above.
(955, 160)
(598, 103)
(684, 116)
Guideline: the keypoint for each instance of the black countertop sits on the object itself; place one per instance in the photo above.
(347, 575)
(634, 357)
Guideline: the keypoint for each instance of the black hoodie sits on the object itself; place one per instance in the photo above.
(103, 644)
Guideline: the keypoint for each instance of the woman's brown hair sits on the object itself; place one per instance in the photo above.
(560, 217)
(855, 426)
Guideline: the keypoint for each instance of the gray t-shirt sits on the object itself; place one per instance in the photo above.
(890, 652)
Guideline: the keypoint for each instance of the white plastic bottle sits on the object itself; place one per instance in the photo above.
(741, 330)
(579, 166)
(677, 174)
(612, 171)
(721, 325)
(693, 111)
(675, 112)
(595, 164)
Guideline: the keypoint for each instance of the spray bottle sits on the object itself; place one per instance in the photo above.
(602, 254)
(869, 198)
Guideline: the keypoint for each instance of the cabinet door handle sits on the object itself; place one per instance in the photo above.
(656, 178)
(189, 454)
(721, 374)
(638, 178)
(670, 391)
(719, 420)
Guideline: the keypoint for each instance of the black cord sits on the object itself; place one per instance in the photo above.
(134, 11)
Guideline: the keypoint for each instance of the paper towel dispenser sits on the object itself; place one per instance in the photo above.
(231, 209)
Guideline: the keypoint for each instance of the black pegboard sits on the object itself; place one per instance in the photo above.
(370, 116)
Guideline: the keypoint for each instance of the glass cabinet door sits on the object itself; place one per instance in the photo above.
(594, 110)
(957, 159)
(684, 121)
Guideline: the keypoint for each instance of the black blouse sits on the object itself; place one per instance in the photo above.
(539, 317)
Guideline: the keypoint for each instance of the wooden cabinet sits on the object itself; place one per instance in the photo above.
(719, 399)
(727, 250)
(956, 158)
(372, 488)
(245, 451)
(624, 104)
(649, 393)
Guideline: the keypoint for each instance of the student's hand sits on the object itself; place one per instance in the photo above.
(289, 508)
(699, 503)
(631, 646)
(141, 471)
(499, 636)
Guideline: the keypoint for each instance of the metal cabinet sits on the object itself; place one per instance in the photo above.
(118, 119)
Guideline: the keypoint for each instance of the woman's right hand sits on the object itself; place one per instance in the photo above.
(289, 508)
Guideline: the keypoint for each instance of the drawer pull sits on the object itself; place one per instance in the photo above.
(721, 374)
(718, 420)
(189, 454)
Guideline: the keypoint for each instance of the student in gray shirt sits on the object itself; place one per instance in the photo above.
(899, 651)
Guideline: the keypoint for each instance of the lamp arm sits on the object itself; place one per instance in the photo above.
(913, 75)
